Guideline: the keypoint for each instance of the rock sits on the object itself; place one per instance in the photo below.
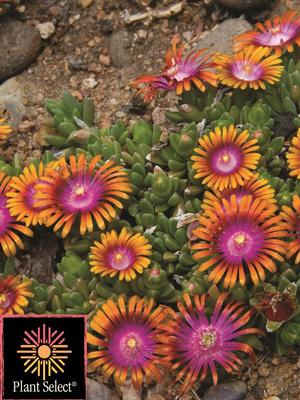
(279, 7)
(243, 4)
(89, 83)
(129, 392)
(86, 3)
(263, 370)
(232, 390)
(119, 49)
(220, 38)
(97, 391)
(20, 46)
(104, 60)
(46, 29)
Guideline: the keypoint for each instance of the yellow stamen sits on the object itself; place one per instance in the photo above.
(207, 339)
(240, 239)
(119, 257)
(79, 190)
(131, 343)
(225, 157)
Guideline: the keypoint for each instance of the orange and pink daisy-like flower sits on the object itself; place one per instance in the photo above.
(5, 130)
(126, 337)
(250, 67)
(291, 216)
(236, 235)
(196, 343)
(225, 158)
(280, 35)
(9, 239)
(14, 294)
(179, 73)
(81, 190)
(293, 156)
(124, 255)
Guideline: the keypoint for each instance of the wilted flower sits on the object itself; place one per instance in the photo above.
(233, 235)
(199, 343)
(8, 225)
(81, 189)
(179, 73)
(124, 255)
(126, 336)
(249, 68)
(14, 294)
(225, 159)
(280, 35)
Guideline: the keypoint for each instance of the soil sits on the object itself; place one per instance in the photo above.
(78, 56)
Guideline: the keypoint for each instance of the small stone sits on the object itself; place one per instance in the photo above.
(220, 38)
(234, 390)
(80, 136)
(104, 60)
(272, 398)
(26, 126)
(119, 49)
(89, 83)
(39, 138)
(106, 26)
(86, 3)
(55, 11)
(243, 4)
(142, 33)
(97, 391)
(46, 29)
(91, 43)
(20, 46)
(263, 370)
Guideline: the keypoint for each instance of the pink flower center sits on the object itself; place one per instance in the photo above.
(80, 194)
(5, 217)
(131, 345)
(241, 241)
(246, 71)
(121, 258)
(6, 300)
(226, 159)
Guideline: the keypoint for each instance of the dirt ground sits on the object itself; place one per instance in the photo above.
(79, 58)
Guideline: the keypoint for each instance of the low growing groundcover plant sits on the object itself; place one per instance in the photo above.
(183, 249)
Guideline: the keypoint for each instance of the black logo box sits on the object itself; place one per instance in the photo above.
(12, 330)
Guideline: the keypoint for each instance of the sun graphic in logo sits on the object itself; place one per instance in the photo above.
(44, 351)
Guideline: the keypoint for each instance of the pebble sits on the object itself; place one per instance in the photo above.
(120, 44)
(86, 3)
(46, 29)
(220, 38)
(104, 60)
(232, 390)
(97, 391)
(89, 83)
(263, 371)
(272, 398)
(243, 4)
(20, 46)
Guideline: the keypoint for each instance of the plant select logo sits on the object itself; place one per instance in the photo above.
(44, 351)
(42, 357)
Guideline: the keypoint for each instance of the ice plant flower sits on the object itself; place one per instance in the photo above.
(291, 216)
(198, 343)
(126, 337)
(248, 68)
(257, 187)
(225, 159)
(5, 130)
(236, 235)
(280, 35)
(124, 255)
(21, 195)
(81, 189)
(179, 73)
(14, 294)
(9, 240)
(293, 156)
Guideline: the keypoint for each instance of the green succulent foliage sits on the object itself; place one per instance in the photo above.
(72, 119)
